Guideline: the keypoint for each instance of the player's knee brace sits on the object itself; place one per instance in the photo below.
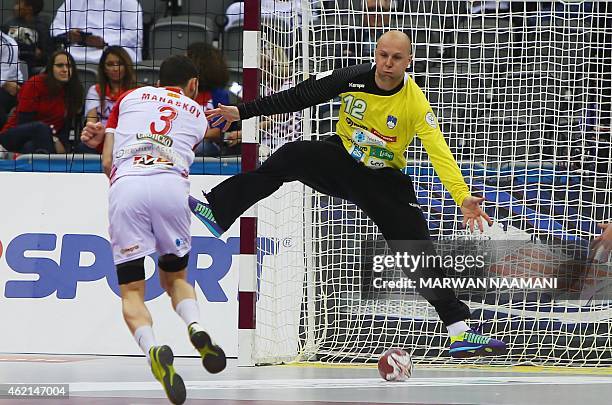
(172, 263)
(131, 271)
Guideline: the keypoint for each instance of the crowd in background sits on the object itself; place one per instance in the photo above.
(43, 102)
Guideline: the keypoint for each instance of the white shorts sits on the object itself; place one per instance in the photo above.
(149, 214)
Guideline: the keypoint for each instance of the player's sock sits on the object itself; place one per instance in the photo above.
(146, 339)
(188, 310)
(457, 328)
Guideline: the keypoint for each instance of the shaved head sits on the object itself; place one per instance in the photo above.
(393, 56)
(396, 38)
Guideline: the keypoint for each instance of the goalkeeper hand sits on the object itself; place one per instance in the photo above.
(602, 245)
(473, 213)
(222, 116)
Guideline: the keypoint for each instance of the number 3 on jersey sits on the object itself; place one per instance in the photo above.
(354, 107)
(168, 114)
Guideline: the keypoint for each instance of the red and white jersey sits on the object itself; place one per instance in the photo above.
(155, 131)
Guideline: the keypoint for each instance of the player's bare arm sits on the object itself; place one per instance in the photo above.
(93, 134)
(107, 154)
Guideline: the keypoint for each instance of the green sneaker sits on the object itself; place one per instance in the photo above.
(203, 212)
(472, 343)
(161, 366)
(213, 357)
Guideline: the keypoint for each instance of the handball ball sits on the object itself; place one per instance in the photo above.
(395, 365)
(216, 124)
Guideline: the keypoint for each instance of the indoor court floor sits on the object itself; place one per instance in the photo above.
(127, 380)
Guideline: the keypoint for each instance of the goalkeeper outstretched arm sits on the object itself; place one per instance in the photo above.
(445, 165)
(308, 93)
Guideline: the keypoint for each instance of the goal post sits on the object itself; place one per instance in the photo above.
(521, 99)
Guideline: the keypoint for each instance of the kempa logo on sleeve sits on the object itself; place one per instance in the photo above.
(357, 85)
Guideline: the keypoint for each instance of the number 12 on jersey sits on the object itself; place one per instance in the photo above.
(354, 107)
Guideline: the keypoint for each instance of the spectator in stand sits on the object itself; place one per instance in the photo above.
(278, 129)
(211, 91)
(488, 6)
(115, 76)
(10, 75)
(87, 26)
(361, 42)
(523, 17)
(46, 107)
(283, 10)
(601, 56)
(31, 33)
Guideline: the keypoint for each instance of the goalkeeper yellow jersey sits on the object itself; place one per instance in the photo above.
(376, 126)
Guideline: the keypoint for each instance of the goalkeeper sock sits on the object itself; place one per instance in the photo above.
(457, 328)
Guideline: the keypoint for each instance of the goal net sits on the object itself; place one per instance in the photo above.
(522, 94)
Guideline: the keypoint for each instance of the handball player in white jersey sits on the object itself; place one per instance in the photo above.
(148, 149)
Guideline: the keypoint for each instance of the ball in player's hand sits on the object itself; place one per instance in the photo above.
(216, 124)
(395, 365)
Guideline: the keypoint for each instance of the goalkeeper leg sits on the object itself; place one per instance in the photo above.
(386, 195)
(403, 225)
